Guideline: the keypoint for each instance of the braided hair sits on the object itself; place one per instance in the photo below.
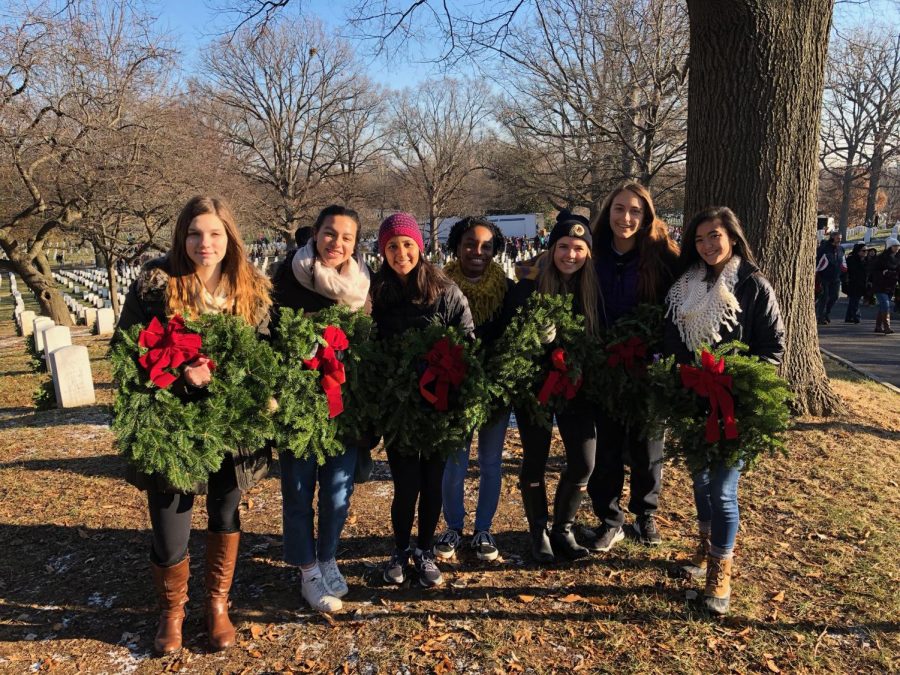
(460, 227)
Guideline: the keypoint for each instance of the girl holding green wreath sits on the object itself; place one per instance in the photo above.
(205, 271)
(476, 241)
(324, 272)
(721, 296)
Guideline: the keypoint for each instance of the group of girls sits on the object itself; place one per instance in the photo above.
(713, 290)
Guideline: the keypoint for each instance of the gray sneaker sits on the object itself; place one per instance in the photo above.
(426, 568)
(605, 538)
(394, 568)
(333, 578)
(484, 546)
(446, 545)
(317, 595)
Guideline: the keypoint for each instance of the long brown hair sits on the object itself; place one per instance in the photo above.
(248, 290)
(657, 251)
(583, 284)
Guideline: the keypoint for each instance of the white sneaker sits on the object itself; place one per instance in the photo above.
(319, 597)
(334, 580)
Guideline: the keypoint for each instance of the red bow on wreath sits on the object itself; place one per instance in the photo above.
(557, 381)
(333, 375)
(168, 347)
(445, 368)
(626, 353)
(711, 382)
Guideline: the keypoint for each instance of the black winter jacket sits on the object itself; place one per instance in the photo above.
(856, 275)
(451, 309)
(835, 257)
(145, 300)
(885, 273)
(759, 322)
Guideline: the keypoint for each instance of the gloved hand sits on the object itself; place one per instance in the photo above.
(547, 333)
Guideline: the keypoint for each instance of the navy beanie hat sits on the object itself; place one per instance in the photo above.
(569, 224)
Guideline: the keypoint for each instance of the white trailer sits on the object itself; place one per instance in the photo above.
(511, 225)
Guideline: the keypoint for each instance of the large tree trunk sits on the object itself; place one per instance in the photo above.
(755, 94)
(874, 179)
(847, 184)
(113, 284)
(45, 291)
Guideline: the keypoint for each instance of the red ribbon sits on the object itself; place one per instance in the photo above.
(446, 367)
(710, 382)
(333, 375)
(626, 353)
(168, 347)
(558, 381)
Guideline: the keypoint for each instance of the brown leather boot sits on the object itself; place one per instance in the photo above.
(221, 556)
(879, 322)
(171, 585)
(717, 594)
(696, 567)
(886, 323)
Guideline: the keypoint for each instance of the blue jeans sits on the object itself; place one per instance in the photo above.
(490, 454)
(298, 484)
(716, 497)
(884, 302)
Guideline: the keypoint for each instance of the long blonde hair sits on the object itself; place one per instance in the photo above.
(583, 284)
(247, 289)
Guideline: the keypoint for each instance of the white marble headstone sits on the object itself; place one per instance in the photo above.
(106, 321)
(72, 381)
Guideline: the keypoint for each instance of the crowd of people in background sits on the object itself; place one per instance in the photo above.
(866, 276)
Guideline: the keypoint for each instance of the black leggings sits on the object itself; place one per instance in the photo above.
(579, 436)
(414, 479)
(170, 515)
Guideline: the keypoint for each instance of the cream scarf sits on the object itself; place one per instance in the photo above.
(347, 286)
(701, 311)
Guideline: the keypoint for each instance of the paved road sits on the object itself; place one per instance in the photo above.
(874, 353)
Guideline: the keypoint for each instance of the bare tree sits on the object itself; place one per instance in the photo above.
(847, 121)
(435, 135)
(281, 97)
(67, 80)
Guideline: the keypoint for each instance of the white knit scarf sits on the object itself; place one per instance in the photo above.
(702, 311)
(347, 286)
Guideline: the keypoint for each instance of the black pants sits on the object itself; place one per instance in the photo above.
(415, 479)
(607, 481)
(170, 515)
(579, 436)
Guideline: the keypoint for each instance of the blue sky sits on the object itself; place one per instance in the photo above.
(193, 23)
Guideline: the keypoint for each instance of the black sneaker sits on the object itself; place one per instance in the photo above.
(484, 546)
(646, 531)
(605, 538)
(427, 570)
(447, 543)
(394, 569)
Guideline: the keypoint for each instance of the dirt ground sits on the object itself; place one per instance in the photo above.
(816, 587)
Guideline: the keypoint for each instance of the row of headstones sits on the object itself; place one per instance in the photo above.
(69, 365)
(92, 285)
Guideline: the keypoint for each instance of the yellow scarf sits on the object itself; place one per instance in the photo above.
(486, 295)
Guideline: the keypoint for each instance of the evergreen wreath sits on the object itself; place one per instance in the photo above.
(743, 418)
(306, 422)
(185, 437)
(540, 379)
(423, 390)
(617, 381)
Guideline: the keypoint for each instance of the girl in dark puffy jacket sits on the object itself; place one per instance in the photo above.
(721, 296)
(410, 292)
(204, 271)
(885, 274)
